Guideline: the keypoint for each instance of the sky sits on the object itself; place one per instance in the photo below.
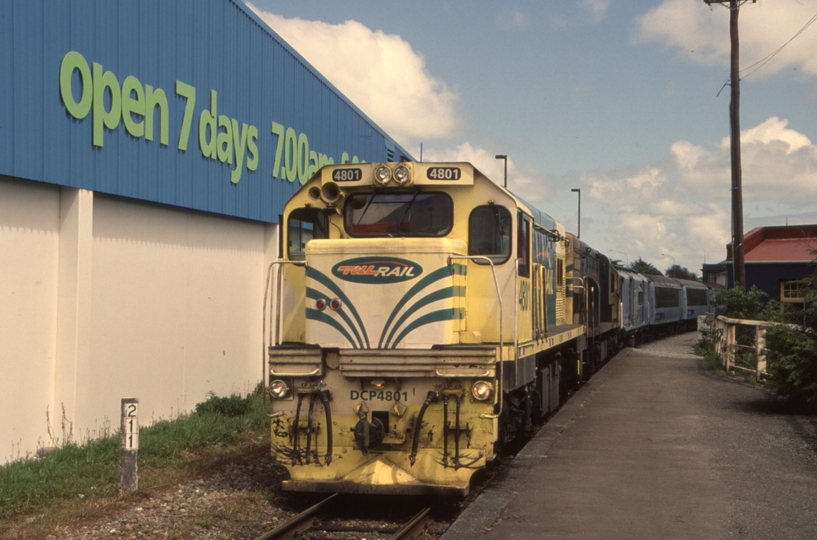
(626, 101)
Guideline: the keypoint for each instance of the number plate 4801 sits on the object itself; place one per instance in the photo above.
(378, 395)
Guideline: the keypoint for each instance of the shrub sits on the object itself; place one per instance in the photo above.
(792, 365)
(232, 406)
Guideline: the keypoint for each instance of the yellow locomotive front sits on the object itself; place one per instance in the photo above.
(385, 329)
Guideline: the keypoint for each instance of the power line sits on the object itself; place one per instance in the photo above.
(763, 61)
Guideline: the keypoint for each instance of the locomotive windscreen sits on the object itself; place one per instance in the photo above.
(398, 214)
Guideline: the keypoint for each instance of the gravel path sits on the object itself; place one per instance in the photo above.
(765, 455)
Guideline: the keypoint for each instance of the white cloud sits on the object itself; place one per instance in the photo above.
(518, 181)
(681, 206)
(378, 72)
(773, 129)
(701, 33)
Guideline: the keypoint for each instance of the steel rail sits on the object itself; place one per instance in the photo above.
(301, 522)
(414, 528)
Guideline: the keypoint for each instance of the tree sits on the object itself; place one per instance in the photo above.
(679, 272)
(643, 267)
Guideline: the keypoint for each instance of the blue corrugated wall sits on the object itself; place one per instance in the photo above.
(209, 45)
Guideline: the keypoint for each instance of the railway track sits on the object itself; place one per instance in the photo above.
(337, 517)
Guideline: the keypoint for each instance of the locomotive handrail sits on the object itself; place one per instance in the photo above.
(274, 337)
(574, 285)
(501, 374)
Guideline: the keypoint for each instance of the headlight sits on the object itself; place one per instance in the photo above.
(401, 174)
(382, 175)
(482, 390)
(278, 389)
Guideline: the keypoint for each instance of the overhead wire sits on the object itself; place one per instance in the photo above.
(763, 61)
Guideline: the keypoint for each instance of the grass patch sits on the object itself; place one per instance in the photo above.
(77, 481)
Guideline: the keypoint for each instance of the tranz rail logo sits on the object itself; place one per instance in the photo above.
(376, 270)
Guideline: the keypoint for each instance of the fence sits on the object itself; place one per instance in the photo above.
(732, 348)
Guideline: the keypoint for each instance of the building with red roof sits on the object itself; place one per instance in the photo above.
(776, 258)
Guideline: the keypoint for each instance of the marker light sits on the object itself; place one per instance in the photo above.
(278, 389)
(335, 304)
(482, 390)
(382, 175)
(401, 174)
(320, 304)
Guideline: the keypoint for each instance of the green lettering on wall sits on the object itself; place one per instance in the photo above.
(224, 140)
(105, 81)
(189, 93)
(278, 130)
(133, 104)
(303, 159)
(207, 123)
(290, 155)
(73, 61)
(156, 98)
(252, 148)
(240, 145)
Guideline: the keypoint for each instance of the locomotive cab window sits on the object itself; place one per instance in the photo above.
(489, 233)
(303, 225)
(398, 214)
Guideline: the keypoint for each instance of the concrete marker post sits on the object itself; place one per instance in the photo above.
(129, 446)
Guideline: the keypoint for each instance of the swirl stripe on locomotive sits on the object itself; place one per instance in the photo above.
(327, 282)
(487, 314)
(422, 285)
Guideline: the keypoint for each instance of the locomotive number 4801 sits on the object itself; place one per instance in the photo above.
(347, 175)
(379, 395)
(443, 173)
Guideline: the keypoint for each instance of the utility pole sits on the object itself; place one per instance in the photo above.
(734, 122)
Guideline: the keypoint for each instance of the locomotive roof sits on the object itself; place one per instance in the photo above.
(664, 281)
(539, 217)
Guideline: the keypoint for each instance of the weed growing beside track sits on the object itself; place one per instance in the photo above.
(78, 481)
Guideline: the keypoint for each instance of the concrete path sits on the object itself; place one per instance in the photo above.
(655, 446)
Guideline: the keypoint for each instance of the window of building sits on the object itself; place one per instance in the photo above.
(489, 233)
(793, 293)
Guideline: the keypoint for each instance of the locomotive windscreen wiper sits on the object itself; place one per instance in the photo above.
(408, 207)
(366, 208)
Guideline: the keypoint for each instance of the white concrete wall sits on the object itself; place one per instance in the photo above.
(105, 298)
(29, 246)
